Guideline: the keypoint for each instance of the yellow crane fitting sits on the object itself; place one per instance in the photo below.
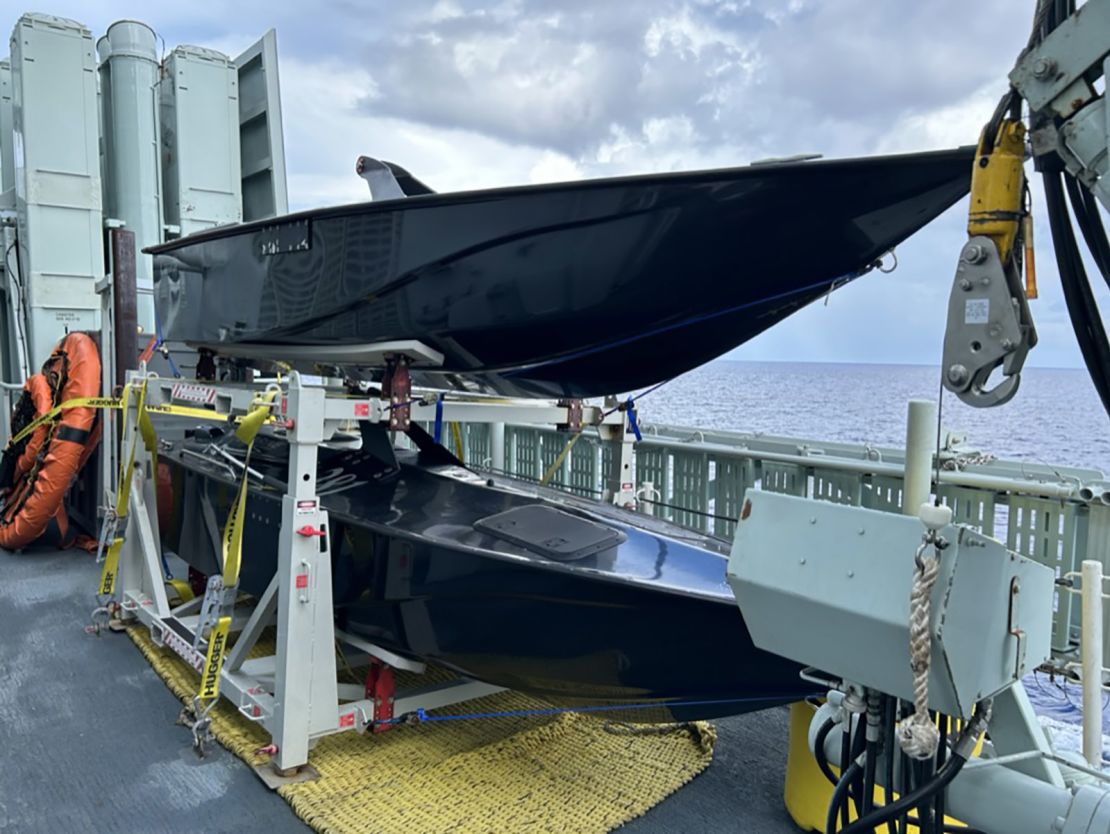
(997, 186)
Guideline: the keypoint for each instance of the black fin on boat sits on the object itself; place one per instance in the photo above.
(431, 453)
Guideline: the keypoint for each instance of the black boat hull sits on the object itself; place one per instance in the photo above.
(648, 625)
(574, 289)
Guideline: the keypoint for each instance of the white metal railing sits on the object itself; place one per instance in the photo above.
(1056, 515)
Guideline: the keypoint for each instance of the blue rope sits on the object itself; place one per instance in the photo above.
(173, 365)
(420, 716)
(632, 423)
(559, 360)
(437, 429)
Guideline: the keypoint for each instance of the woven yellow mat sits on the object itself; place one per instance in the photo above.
(563, 773)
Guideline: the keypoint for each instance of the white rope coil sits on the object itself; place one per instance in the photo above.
(918, 736)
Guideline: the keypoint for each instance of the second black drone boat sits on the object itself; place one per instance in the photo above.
(571, 289)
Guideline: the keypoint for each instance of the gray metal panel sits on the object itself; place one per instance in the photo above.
(199, 104)
(57, 176)
(129, 76)
(829, 585)
(1045, 531)
(261, 141)
(7, 158)
(734, 477)
(881, 492)
(786, 478)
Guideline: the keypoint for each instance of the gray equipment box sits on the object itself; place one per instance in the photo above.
(829, 586)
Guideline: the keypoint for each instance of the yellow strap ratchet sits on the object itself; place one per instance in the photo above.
(248, 430)
(214, 660)
(123, 491)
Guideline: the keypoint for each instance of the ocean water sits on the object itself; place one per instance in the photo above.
(1056, 418)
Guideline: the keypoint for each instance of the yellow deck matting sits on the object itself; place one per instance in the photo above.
(562, 773)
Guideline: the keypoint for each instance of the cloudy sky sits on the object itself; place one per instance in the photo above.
(472, 94)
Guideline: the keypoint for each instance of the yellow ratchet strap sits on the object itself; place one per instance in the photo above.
(123, 493)
(79, 402)
(248, 430)
(214, 660)
(558, 462)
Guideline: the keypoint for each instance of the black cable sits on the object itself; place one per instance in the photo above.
(925, 775)
(819, 750)
(1086, 210)
(1089, 332)
(904, 774)
(942, 756)
(17, 279)
(915, 798)
(890, 715)
(859, 744)
(871, 753)
(840, 797)
(845, 756)
(702, 513)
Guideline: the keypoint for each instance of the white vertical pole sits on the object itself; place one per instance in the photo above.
(1090, 655)
(497, 446)
(921, 426)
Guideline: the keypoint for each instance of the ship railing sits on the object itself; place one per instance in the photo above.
(1057, 515)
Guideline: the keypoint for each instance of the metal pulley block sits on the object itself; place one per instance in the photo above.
(989, 326)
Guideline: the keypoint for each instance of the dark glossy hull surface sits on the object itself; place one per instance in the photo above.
(574, 289)
(649, 620)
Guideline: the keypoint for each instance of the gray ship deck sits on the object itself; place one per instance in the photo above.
(90, 744)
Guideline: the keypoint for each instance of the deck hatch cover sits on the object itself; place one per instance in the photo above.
(550, 532)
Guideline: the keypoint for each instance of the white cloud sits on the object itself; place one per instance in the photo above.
(520, 91)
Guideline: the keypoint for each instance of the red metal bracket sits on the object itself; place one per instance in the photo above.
(397, 386)
(574, 416)
(381, 686)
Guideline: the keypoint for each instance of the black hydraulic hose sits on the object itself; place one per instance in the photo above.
(1077, 291)
(1085, 206)
(840, 798)
(925, 775)
(867, 801)
(915, 798)
(942, 755)
(845, 756)
(890, 715)
(859, 743)
(819, 750)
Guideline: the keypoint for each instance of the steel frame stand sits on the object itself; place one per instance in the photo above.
(294, 693)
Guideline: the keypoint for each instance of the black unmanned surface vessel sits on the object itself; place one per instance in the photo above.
(579, 603)
(572, 289)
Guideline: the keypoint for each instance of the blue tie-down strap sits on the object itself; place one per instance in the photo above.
(632, 424)
(437, 429)
(420, 716)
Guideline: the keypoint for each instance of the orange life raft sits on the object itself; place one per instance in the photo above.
(37, 472)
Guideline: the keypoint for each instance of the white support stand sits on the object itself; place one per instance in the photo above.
(293, 694)
(304, 600)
